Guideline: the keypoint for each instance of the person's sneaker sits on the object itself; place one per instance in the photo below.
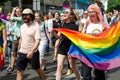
(54, 61)
(7, 69)
(69, 72)
(10, 70)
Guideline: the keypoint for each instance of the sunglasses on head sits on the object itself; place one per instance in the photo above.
(66, 12)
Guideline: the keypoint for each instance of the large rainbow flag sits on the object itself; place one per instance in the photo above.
(99, 52)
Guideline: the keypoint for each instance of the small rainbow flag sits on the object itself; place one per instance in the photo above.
(1, 53)
(99, 52)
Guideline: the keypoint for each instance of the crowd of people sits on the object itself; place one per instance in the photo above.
(27, 37)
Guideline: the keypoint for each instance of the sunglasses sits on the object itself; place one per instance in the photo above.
(91, 12)
(25, 14)
(66, 12)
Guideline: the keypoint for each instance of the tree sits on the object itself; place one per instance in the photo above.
(2, 2)
(91, 1)
(113, 4)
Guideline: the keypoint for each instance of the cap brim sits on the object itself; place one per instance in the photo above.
(25, 13)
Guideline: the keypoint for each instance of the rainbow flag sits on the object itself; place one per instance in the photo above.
(1, 53)
(99, 52)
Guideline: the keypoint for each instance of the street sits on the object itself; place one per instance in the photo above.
(30, 74)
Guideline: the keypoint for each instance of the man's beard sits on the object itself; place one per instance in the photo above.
(26, 20)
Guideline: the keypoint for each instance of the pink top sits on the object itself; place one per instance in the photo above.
(28, 34)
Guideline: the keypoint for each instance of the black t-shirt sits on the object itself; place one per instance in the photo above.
(65, 43)
(70, 26)
(56, 24)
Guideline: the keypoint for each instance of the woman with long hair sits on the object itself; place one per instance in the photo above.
(56, 24)
(44, 39)
(69, 19)
(95, 25)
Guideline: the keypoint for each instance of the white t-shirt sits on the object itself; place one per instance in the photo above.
(83, 20)
(49, 24)
(93, 28)
(28, 36)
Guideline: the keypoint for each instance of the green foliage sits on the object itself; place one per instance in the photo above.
(91, 1)
(2, 2)
(113, 4)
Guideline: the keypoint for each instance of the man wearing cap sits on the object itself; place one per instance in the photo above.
(28, 44)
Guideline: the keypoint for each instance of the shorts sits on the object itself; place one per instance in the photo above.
(63, 46)
(22, 61)
(42, 48)
(14, 45)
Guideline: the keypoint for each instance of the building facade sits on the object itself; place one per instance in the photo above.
(45, 6)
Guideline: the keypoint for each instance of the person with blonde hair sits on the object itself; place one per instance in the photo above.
(16, 17)
(83, 21)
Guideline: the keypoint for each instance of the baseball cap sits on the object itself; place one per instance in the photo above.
(27, 11)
